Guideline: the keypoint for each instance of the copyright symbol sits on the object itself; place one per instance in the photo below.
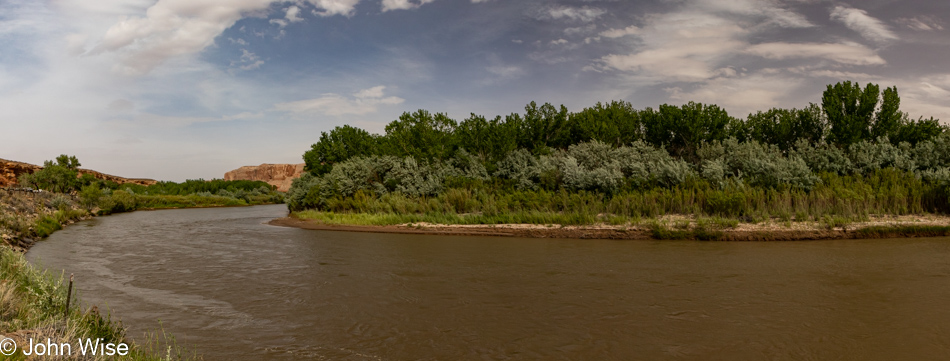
(7, 346)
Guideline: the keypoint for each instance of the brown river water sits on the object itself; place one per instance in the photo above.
(234, 288)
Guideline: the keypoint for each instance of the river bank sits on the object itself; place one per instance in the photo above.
(34, 305)
(662, 228)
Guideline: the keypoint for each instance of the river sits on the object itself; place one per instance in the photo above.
(234, 288)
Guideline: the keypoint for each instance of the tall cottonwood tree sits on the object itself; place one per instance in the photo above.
(422, 135)
(853, 114)
(338, 145)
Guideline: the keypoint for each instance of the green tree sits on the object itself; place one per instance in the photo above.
(783, 127)
(915, 131)
(60, 176)
(338, 145)
(887, 121)
(615, 123)
(853, 114)
(421, 135)
(489, 140)
(544, 126)
(681, 130)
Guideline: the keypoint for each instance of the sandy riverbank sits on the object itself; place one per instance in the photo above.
(677, 227)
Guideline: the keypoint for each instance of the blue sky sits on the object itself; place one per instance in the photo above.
(183, 89)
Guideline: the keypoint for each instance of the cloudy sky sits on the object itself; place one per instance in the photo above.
(182, 89)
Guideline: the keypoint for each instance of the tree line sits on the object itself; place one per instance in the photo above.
(62, 176)
(848, 114)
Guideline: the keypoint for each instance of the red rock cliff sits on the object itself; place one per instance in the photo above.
(10, 171)
(280, 175)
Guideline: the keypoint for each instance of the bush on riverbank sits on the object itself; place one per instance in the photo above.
(108, 201)
(851, 197)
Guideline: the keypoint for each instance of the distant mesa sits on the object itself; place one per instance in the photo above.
(10, 171)
(280, 175)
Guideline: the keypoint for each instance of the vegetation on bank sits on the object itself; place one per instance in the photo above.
(32, 303)
(33, 306)
(854, 156)
(106, 197)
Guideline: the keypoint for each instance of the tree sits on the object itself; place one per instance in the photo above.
(681, 130)
(490, 141)
(615, 123)
(61, 176)
(887, 121)
(340, 144)
(421, 135)
(544, 126)
(783, 127)
(913, 132)
(853, 113)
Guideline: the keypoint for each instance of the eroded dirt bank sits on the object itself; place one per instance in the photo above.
(877, 227)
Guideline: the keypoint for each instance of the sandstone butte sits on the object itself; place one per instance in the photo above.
(10, 171)
(280, 175)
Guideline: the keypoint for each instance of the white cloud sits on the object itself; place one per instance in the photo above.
(403, 4)
(248, 61)
(767, 10)
(374, 92)
(694, 42)
(172, 28)
(616, 33)
(580, 29)
(845, 53)
(921, 23)
(684, 46)
(334, 7)
(740, 95)
(582, 14)
(925, 96)
(859, 21)
(293, 14)
(362, 102)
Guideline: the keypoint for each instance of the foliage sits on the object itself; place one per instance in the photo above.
(783, 127)
(681, 130)
(340, 144)
(59, 176)
(610, 150)
(853, 114)
(421, 135)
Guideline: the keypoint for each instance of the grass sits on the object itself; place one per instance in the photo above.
(35, 301)
(121, 201)
(837, 201)
(903, 231)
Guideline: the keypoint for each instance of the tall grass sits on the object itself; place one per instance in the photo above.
(35, 300)
(837, 198)
(122, 201)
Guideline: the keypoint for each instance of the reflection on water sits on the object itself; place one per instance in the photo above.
(238, 289)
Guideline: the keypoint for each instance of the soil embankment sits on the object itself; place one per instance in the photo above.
(880, 227)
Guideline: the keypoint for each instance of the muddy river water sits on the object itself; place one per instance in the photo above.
(226, 283)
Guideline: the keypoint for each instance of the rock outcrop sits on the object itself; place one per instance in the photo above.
(10, 172)
(280, 175)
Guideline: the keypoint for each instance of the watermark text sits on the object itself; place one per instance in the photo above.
(82, 347)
